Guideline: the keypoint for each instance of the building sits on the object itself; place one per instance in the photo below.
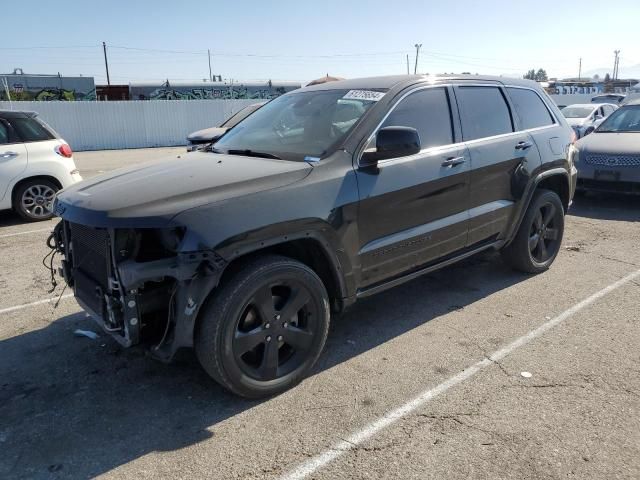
(569, 86)
(22, 86)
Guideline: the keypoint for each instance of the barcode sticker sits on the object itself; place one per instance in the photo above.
(369, 95)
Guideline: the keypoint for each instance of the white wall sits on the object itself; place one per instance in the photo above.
(130, 124)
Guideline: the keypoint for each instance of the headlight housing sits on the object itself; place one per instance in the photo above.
(573, 155)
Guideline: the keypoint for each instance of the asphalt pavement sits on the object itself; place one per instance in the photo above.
(474, 371)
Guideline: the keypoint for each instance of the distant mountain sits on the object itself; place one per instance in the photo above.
(631, 71)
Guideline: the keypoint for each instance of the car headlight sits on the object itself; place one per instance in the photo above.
(573, 155)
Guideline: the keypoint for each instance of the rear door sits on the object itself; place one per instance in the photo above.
(13, 161)
(39, 140)
(499, 154)
(413, 209)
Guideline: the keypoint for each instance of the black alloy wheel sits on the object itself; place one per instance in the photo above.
(544, 234)
(538, 239)
(263, 329)
(274, 333)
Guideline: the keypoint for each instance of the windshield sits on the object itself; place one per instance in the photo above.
(233, 120)
(299, 126)
(577, 112)
(627, 119)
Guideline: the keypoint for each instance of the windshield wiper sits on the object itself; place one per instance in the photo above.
(253, 153)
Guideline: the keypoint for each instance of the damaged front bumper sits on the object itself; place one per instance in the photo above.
(137, 283)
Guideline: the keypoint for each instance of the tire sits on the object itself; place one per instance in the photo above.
(264, 328)
(33, 199)
(539, 236)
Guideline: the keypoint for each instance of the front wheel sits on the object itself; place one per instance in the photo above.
(264, 328)
(538, 239)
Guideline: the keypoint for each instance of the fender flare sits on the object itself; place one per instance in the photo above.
(339, 262)
(528, 196)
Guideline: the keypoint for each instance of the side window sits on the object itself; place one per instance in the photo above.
(484, 112)
(428, 112)
(30, 130)
(4, 133)
(530, 108)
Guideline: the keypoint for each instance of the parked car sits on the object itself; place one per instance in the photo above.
(609, 159)
(325, 195)
(199, 139)
(34, 164)
(615, 98)
(584, 118)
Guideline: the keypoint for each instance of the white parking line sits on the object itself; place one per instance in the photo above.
(7, 235)
(33, 304)
(343, 446)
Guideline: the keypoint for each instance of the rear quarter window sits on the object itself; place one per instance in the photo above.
(483, 112)
(531, 110)
(31, 130)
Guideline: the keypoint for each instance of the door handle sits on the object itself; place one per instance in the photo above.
(453, 161)
(8, 154)
(523, 145)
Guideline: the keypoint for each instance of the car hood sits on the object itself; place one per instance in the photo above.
(151, 195)
(613, 143)
(206, 134)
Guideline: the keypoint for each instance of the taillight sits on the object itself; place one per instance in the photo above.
(64, 150)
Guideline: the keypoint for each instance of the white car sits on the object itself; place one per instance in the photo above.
(34, 164)
(584, 118)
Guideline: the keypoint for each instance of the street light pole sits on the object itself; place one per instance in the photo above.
(415, 68)
(209, 54)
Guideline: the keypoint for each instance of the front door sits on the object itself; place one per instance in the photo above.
(413, 209)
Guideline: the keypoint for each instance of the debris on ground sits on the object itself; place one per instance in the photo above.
(573, 248)
(86, 333)
(526, 374)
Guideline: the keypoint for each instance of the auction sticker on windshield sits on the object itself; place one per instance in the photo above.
(364, 95)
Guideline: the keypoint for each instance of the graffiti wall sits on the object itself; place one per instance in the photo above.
(21, 86)
(209, 91)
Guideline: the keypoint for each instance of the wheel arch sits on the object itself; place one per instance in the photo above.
(16, 186)
(557, 180)
(310, 248)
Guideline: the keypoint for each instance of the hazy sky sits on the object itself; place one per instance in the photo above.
(302, 40)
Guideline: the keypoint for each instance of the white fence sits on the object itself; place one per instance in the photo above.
(130, 124)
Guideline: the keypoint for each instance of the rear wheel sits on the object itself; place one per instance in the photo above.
(538, 240)
(33, 200)
(263, 330)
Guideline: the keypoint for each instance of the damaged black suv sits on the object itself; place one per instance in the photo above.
(325, 195)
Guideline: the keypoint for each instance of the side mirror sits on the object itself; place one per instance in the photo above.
(393, 142)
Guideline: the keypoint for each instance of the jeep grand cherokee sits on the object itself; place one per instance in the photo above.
(323, 196)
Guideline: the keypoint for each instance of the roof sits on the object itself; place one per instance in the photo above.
(391, 81)
(17, 114)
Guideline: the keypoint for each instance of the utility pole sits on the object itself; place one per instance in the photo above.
(106, 64)
(407, 64)
(615, 64)
(415, 68)
(209, 54)
(580, 69)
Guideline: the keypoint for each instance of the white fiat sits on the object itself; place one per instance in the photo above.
(34, 164)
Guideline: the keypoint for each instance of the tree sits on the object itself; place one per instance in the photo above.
(541, 75)
(596, 77)
(607, 78)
